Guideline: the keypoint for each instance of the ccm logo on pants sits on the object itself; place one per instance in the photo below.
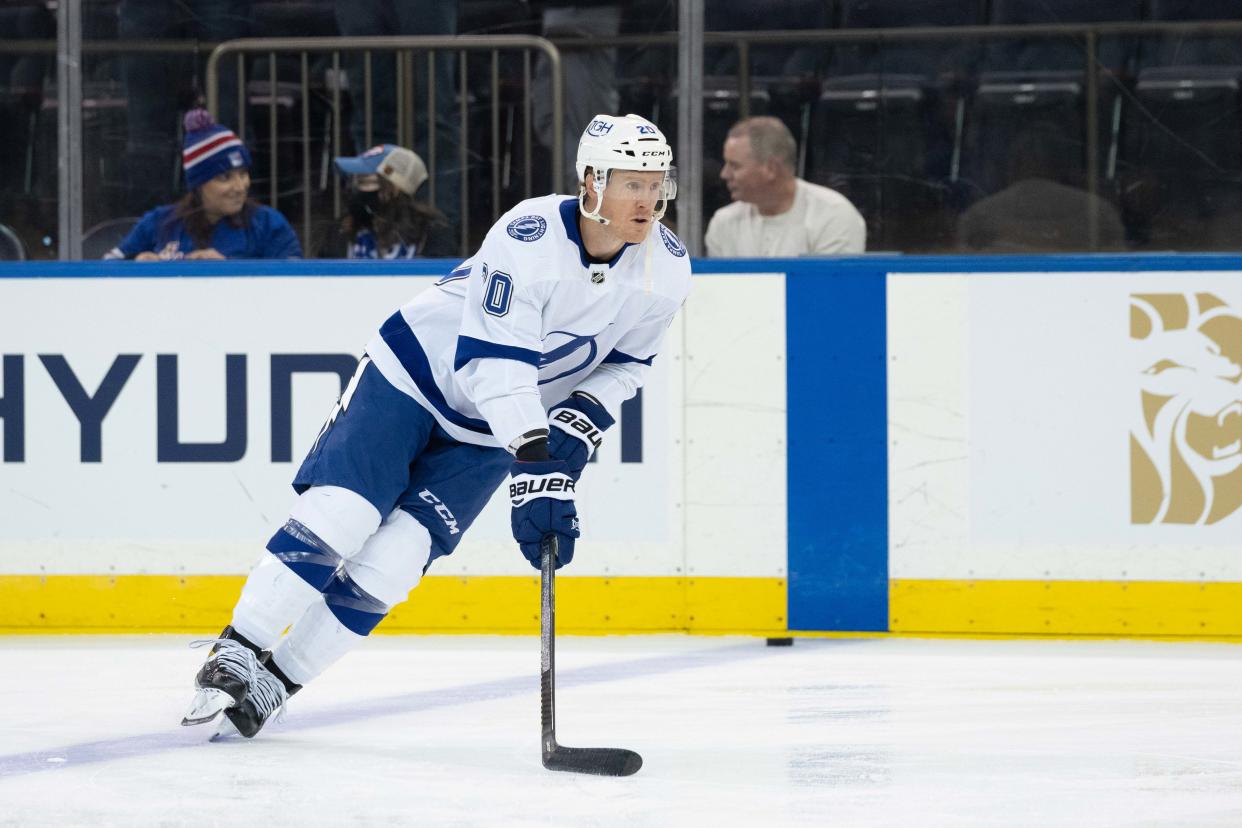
(443, 511)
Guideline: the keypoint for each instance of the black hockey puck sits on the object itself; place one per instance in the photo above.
(780, 642)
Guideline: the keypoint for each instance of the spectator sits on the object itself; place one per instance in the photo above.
(1037, 215)
(216, 219)
(775, 213)
(365, 18)
(1042, 209)
(384, 219)
(158, 86)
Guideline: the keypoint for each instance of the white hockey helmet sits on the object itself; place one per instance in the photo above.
(630, 142)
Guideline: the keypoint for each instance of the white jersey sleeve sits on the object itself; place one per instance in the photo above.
(499, 344)
(625, 369)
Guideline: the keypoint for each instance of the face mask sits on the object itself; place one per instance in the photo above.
(362, 206)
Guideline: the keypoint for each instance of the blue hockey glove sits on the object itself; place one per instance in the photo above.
(576, 428)
(542, 495)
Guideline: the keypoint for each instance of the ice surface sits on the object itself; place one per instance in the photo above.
(445, 731)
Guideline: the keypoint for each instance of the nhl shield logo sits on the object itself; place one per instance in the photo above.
(598, 276)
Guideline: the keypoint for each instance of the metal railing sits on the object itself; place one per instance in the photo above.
(1089, 33)
(404, 49)
(742, 41)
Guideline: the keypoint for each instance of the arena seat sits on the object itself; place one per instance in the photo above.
(887, 125)
(1030, 84)
(1193, 50)
(1040, 57)
(1180, 166)
(775, 15)
(11, 247)
(934, 61)
(102, 237)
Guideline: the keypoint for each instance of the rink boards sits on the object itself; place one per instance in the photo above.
(907, 444)
(153, 420)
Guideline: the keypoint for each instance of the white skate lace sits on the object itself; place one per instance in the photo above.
(264, 690)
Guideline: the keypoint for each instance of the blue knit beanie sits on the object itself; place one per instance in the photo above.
(209, 149)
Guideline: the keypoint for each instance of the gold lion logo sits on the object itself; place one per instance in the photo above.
(1186, 449)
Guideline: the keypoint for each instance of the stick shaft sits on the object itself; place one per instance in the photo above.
(547, 645)
(601, 761)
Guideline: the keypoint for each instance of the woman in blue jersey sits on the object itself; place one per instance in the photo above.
(216, 219)
(385, 221)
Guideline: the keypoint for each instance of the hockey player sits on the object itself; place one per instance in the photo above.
(511, 366)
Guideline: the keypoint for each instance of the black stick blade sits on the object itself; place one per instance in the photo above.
(599, 761)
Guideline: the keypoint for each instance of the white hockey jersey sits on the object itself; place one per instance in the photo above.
(529, 319)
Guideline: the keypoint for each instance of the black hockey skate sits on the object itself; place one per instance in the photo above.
(267, 695)
(238, 683)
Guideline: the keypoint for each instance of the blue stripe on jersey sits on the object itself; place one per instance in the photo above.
(616, 356)
(469, 348)
(409, 352)
(569, 216)
(457, 273)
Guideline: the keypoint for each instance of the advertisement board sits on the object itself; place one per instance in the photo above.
(1067, 440)
(1068, 426)
(151, 427)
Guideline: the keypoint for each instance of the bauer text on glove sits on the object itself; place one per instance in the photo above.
(577, 425)
(542, 496)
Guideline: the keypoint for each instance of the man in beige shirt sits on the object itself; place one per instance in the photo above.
(775, 213)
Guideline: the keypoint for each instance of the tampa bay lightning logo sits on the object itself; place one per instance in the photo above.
(673, 243)
(528, 228)
(568, 354)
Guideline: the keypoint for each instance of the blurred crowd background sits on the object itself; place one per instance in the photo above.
(1120, 130)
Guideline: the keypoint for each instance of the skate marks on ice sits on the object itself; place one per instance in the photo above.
(175, 737)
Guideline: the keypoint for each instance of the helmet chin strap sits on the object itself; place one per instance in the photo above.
(593, 215)
(600, 179)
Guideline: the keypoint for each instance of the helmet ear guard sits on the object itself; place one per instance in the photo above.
(600, 179)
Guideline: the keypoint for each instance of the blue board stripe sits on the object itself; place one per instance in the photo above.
(1067, 263)
(838, 450)
(873, 264)
(631, 429)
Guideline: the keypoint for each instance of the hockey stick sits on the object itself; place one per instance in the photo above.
(599, 761)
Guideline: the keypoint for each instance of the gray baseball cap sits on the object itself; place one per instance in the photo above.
(400, 166)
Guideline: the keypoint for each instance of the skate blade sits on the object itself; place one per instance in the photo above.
(225, 730)
(207, 704)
